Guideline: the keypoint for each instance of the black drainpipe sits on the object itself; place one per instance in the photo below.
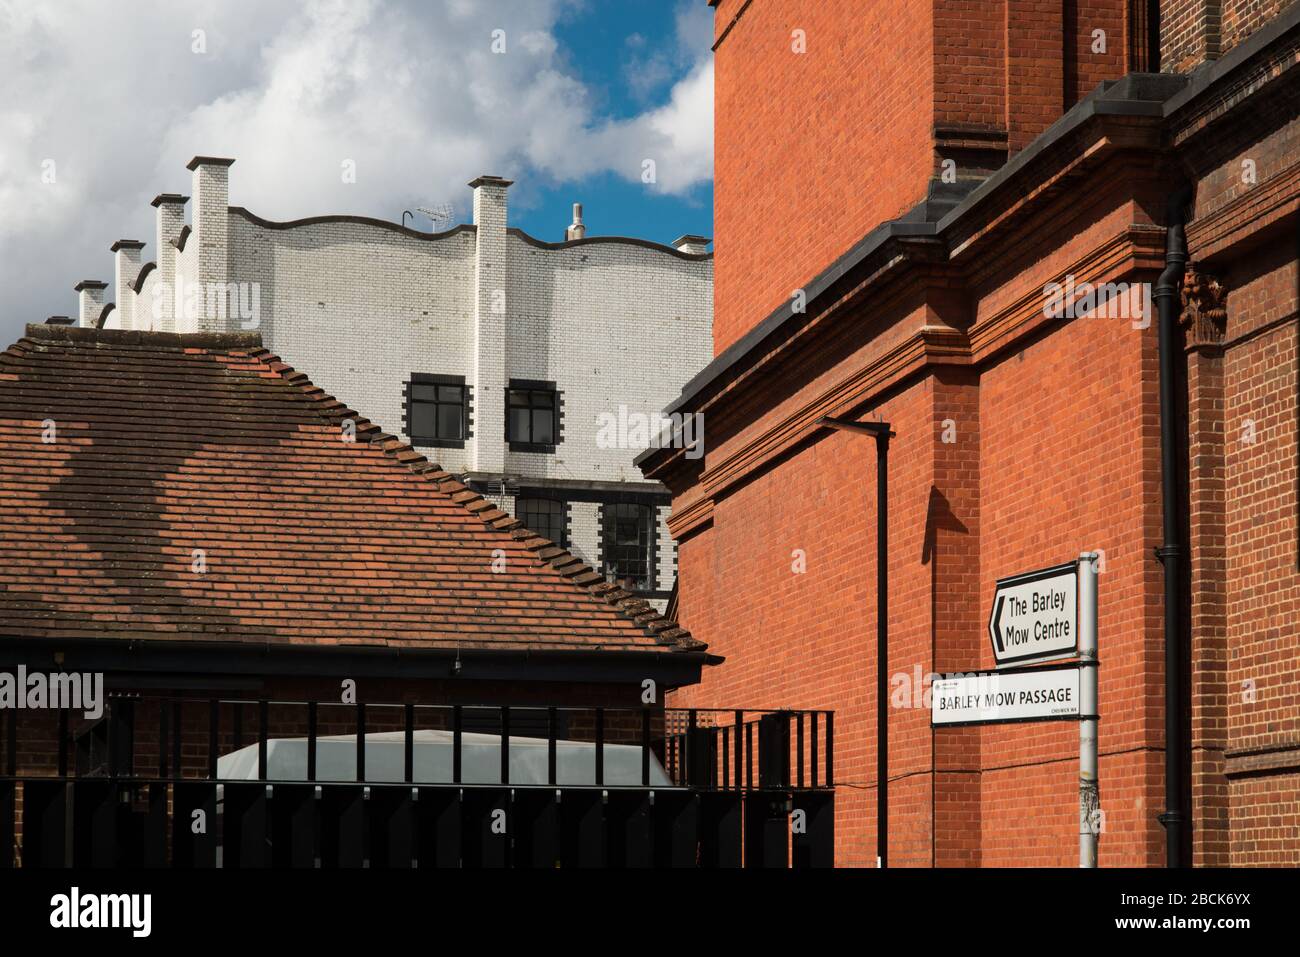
(1168, 297)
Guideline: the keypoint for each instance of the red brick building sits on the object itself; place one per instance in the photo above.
(898, 189)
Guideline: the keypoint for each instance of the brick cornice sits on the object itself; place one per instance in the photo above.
(690, 517)
(1137, 248)
(1258, 66)
(1282, 757)
(1263, 205)
(905, 358)
(1111, 135)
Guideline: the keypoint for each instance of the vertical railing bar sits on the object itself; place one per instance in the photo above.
(726, 757)
(812, 758)
(645, 747)
(177, 736)
(505, 744)
(11, 743)
(798, 748)
(263, 722)
(238, 717)
(408, 758)
(214, 724)
(749, 756)
(163, 734)
(600, 746)
(361, 742)
(785, 742)
(714, 759)
(311, 740)
(688, 747)
(113, 720)
(830, 749)
(552, 731)
(455, 744)
(738, 730)
(63, 743)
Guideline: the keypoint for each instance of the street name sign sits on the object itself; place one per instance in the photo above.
(1035, 616)
(994, 697)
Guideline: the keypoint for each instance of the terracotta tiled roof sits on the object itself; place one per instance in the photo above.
(124, 455)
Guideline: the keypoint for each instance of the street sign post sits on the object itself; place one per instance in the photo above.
(1038, 616)
(1089, 795)
(1035, 616)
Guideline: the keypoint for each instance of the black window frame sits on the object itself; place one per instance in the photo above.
(533, 387)
(466, 403)
(649, 515)
(561, 507)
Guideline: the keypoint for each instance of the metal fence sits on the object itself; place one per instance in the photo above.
(150, 784)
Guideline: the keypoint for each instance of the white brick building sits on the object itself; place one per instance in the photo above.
(493, 352)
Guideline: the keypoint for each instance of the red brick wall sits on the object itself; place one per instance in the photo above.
(1262, 404)
(1194, 31)
(1069, 463)
(1241, 18)
(923, 80)
(808, 640)
(794, 185)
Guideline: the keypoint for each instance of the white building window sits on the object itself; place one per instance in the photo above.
(438, 410)
(532, 416)
(627, 544)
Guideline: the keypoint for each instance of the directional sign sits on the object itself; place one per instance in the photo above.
(991, 697)
(1036, 615)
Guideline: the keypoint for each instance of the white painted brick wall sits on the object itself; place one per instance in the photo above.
(584, 532)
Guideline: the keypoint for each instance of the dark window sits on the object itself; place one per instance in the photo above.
(532, 416)
(546, 517)
(627, 544)
(437, 410)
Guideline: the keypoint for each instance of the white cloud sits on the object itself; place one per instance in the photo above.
(407, 89)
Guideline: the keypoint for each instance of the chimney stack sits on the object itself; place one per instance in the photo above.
(211, 218)
(692, 245)
(487, 373)
(126, 268)
(92, 302)
(171, 220)
(577, 230)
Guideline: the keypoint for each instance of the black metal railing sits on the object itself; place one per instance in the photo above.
(198, 782)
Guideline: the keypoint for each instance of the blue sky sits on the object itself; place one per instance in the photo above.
(625, 50)
(411, 92)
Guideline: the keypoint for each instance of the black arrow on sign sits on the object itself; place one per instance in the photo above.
(997, 618)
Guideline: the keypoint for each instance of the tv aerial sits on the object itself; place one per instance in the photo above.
(442, 215)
